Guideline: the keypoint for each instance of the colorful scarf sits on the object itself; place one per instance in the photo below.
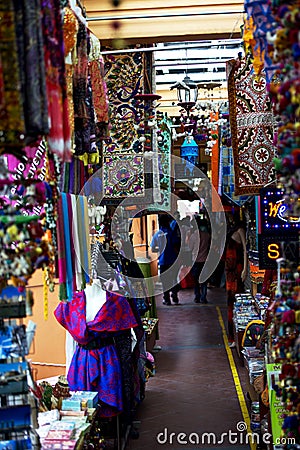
(68, 251)
(59, 137)
(32, 68)
(61, 251)
(11, 100)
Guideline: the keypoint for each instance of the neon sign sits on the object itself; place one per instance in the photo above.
(280, 210)
(274, 211)
(270, 248)
(273, 251)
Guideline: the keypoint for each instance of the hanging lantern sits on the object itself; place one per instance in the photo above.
(189, 151)
(187, 93)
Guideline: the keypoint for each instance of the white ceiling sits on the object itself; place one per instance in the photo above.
(202, 61)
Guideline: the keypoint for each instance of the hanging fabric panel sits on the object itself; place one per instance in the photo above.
(251, 123)
(74, 254)
(123, 165)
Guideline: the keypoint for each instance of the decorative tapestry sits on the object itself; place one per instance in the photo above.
(251, 123)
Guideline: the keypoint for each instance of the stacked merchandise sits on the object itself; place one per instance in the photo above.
(68, 424)
(255, 417)
(244, 312)
(254, 362)
(18, 411)
(248, 312)
(284, 355)
(275, 43)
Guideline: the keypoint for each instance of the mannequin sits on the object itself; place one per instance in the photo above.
(95, 298)
(95, 364)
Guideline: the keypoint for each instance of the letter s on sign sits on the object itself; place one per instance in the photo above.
(273, 251)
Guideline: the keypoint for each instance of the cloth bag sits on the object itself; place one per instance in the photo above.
(185, 277)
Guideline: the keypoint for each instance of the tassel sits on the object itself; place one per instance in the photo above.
(45, 295)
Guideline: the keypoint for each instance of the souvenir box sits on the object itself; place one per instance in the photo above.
(80, 400)
(58, 445)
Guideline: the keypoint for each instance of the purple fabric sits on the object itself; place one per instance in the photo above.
(97, 369)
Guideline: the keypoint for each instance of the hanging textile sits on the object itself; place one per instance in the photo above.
(12, 125)
(70, 29)
(73, 245)
(123, 175)
(99, 88)
(123, 166)
(226, 180)
(251, 122)
(214, 152)
(263, 27)
(59, 137)
(73, 177)
(95, 364)
(32, 68)
(121, 91)
(164, 163)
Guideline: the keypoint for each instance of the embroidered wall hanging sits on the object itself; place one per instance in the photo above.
(251, 122)
(123, 175)
(123, 169)
(124, 79)
(164, 163)
(263, 23)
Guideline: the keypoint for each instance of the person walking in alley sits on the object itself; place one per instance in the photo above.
(199, 243)
(166, 243)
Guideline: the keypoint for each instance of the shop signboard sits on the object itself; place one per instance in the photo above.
(278, 230)
(270, 248)
(275, 215)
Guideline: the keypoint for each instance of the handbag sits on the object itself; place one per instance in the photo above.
(185, 277)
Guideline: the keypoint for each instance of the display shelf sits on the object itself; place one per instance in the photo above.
(13, 310)
(15, 418)
(13, 378)
(17, 411)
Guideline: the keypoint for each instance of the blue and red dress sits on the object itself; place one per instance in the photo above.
(95, 365)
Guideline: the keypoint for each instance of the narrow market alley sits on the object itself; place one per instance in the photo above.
(193, 391)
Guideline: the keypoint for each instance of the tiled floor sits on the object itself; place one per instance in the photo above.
(193, 390)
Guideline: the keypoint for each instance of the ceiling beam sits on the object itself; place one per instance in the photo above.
(135, 23)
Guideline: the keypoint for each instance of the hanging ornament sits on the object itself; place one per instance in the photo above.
(45, 295)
